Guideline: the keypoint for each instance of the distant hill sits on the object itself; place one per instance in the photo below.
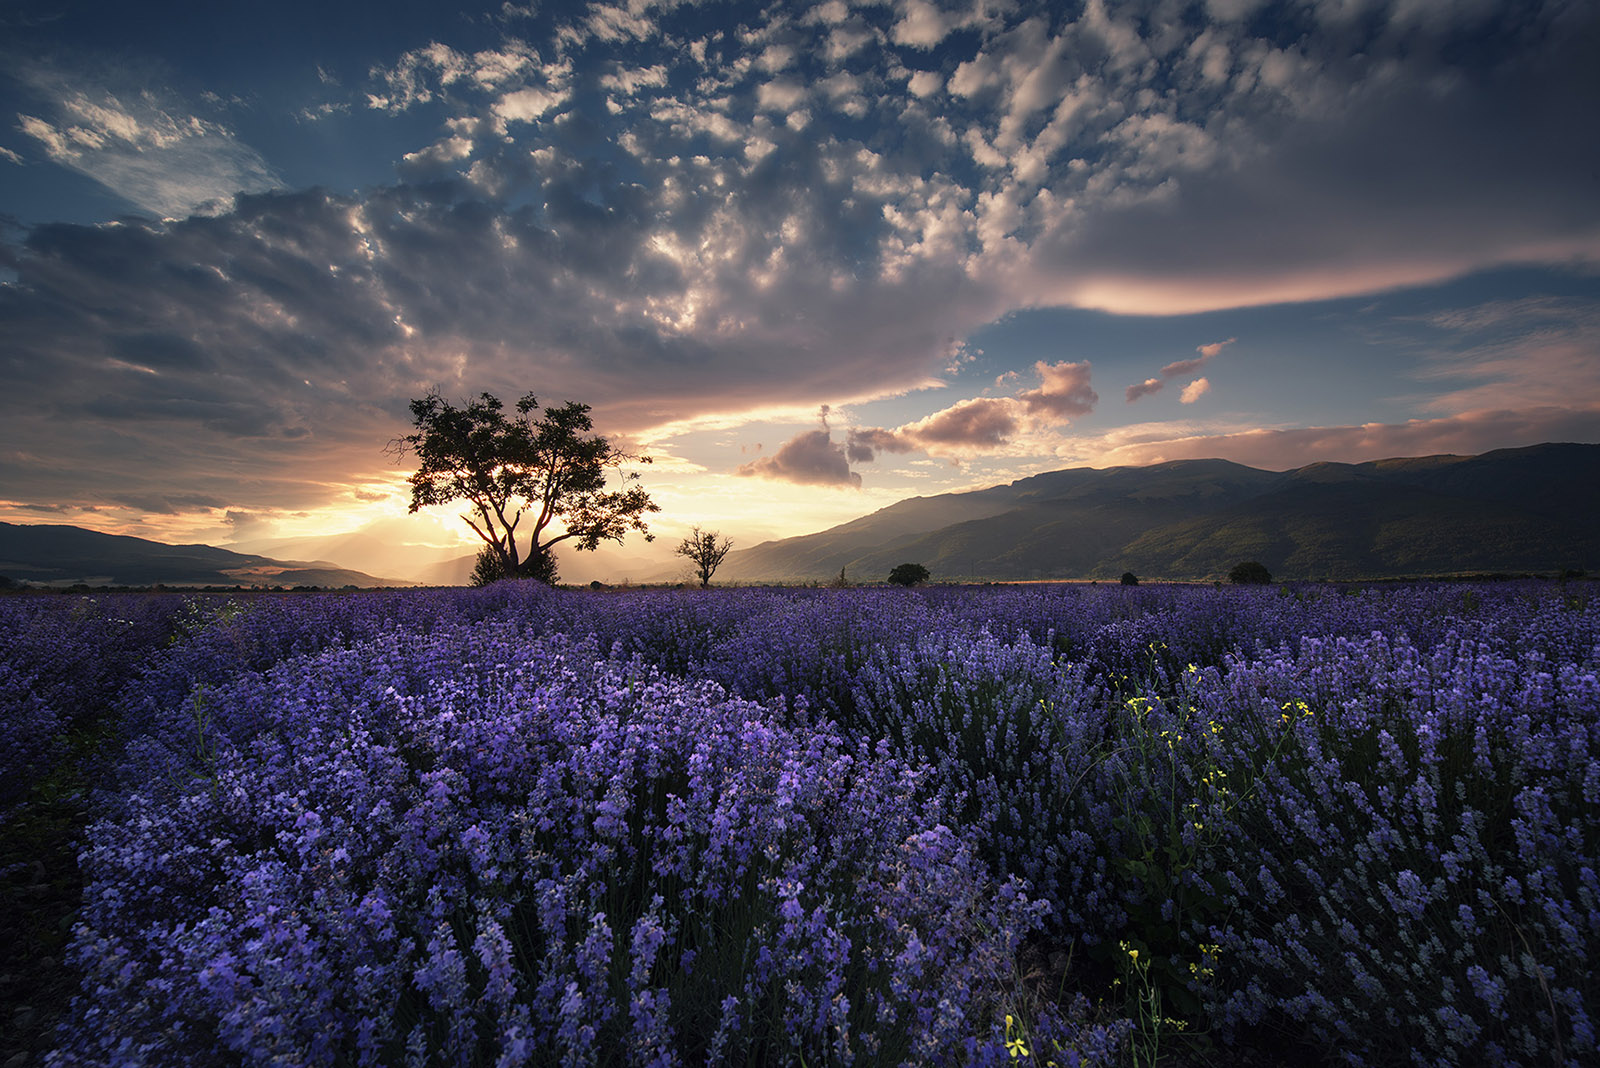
(63, 555)
(1512, 510)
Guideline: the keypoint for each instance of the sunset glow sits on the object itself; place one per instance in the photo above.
(812, 260)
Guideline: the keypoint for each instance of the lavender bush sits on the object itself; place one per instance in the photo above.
(479, 848)
(1091, 825)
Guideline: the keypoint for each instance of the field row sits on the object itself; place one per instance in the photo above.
(1092, 825)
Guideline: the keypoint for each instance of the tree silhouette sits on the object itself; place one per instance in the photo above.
(507, 466)
(1250, 573)
(706, 550)
(540, 565)
(908, 575)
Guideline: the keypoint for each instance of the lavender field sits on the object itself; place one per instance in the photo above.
(1070, 825)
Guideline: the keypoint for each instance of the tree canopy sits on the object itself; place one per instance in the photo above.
(908, 574)
(546, 464)
(1250, 573)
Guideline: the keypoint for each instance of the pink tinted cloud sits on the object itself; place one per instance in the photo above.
(811, 458)
(1145, 388)
(1063, 391)
(984, 423)
(1179, 368)
(979, 423)
(1467, 434)
(1194, 391)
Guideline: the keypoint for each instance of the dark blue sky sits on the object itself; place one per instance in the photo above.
(814, 257)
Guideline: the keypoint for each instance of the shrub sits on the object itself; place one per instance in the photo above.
(1130, 579)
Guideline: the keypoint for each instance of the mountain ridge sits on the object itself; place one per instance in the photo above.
(1508, 510)
(1505, 510)
(61, 555)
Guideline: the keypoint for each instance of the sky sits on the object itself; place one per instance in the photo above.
(812, 259)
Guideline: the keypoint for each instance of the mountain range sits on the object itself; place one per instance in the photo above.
(1534, 509)
(59, 555)
(1513, 510)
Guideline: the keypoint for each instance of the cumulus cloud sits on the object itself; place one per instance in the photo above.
(612, 23)
(526, 105)
(924, 83)
(1064, 391)
(1194, 391)
(629, 80)
(810, 458)
(984, 424)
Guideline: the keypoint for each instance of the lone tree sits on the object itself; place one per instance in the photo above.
(1130, 579)
(507, 466)
(908, 575)
(1250, 573)
(706, 551)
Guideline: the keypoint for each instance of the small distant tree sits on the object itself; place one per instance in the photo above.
(507, 466)
(1250, 573)
(1130, 579)
(908, 575)
(705, 550)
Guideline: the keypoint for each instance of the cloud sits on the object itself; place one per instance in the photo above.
(984, 424)
(1532, 352)
(924, 83)
(613, 23)
(924, 24)
(1145, 388)
(1466, 434)
(526, 105)
(142, 144)
(702, 248)
(1179, 368)
(1064, 391)
(1189, 367)
(628, 81)
(811, 458)
(1264, 208)
(980, 423)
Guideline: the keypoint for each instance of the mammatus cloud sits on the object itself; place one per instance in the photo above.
(811, 458)
(1177, 369)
